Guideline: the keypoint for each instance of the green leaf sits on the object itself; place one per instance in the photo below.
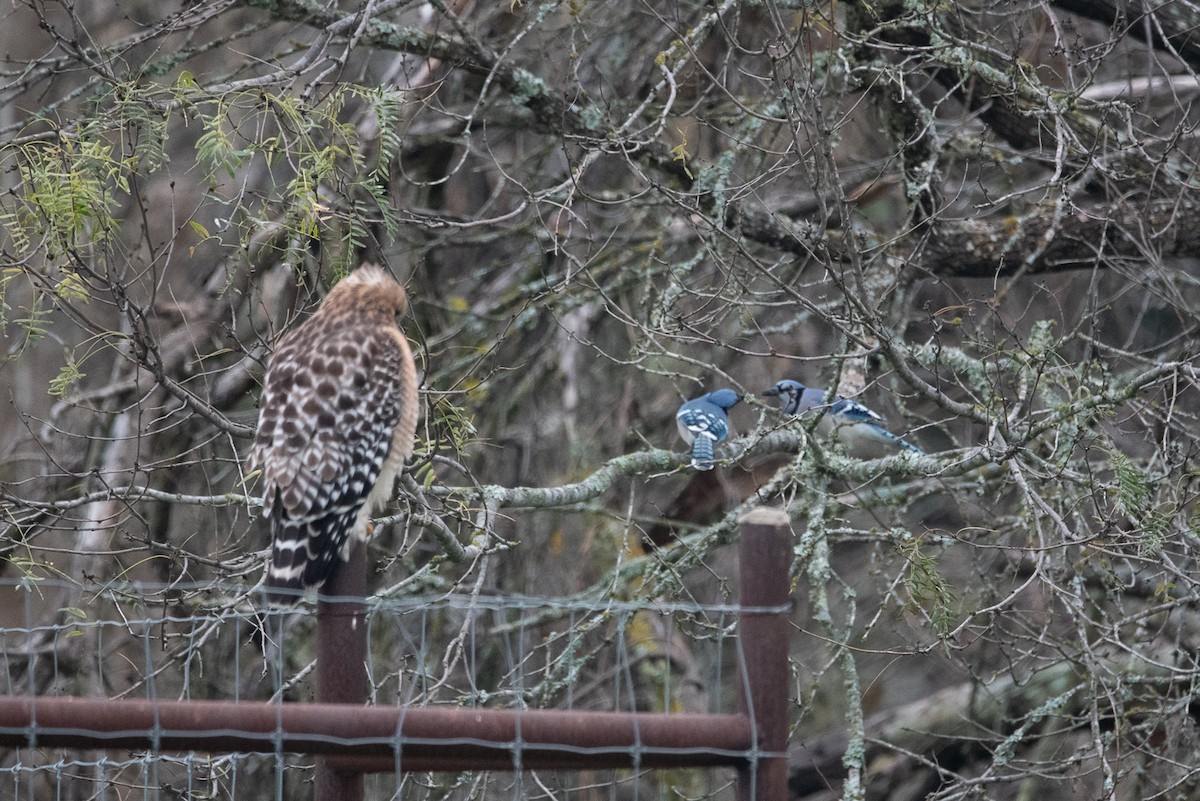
(1133, 489)
(71, 287)
(67, 377)
(200, 230)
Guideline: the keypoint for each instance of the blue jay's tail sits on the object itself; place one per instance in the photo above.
(879, 434)
(702, 453)
(903, 443)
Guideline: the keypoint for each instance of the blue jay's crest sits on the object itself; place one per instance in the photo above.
(703, 423)
(851, 418)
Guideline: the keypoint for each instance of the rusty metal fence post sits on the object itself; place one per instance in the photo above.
(341, 662)
(765, 558)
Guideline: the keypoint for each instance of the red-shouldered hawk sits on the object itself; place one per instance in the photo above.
(338, 418)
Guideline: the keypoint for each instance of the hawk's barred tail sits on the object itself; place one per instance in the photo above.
(305, 553)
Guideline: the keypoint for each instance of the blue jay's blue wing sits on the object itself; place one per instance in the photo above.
(853, 412)
(702, 429)
(703, 423)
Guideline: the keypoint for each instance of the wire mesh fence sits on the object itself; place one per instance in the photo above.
(127, 642)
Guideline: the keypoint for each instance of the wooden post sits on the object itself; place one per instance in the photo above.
(765, 557)
(341, 661)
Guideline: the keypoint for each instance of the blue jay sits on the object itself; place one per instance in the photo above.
(851, 418)
(703, 423)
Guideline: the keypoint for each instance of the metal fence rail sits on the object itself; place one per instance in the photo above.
(405, 729)
(374, 739)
